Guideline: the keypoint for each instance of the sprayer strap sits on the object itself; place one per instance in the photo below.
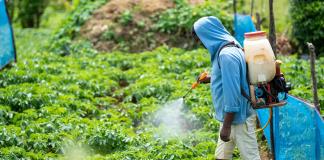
(244, 94)
(229, 44)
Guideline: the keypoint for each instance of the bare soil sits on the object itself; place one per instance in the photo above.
(107, 17)
(283, 45)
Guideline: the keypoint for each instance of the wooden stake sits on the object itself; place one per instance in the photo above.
(259, 21)
(311, 49)
(234, 7)
(272, 28)
(252, 7)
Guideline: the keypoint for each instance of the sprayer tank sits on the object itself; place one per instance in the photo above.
(259, 57)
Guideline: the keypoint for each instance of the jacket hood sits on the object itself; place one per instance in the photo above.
(212, 34)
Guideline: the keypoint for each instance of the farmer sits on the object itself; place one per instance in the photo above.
(227, 79)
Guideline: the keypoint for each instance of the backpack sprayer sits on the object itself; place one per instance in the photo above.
(268, 87)
(271, 94)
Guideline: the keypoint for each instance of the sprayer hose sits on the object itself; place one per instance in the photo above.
(265, 126)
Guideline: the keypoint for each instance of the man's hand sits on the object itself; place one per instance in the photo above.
(225, 134)
(204, 78)
(226, 129)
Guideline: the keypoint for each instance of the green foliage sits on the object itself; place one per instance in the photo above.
(106, 102)
(56, 12)
(71, 26)
(78, 17)
(30, 40)
(30, 12)
(181, 18)
(126, 17)
(102, 101)
(109, 34)
(26, 96)
(171, 27)
(307, 18)
(106, 141)
(10, 8)
(297, 71)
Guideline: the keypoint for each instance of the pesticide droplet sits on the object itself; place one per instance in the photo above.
(171, 119)
(76, 152)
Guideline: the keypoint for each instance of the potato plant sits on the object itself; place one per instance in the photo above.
(297, 71)
(102, 102)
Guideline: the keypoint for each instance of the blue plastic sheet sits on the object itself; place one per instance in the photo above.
(298, 127)
(298, 130)
(242, 24)
(7, 46)
(320, 136)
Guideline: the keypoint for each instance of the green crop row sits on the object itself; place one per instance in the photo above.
(105, 103)
(102, 102)
(297, 71)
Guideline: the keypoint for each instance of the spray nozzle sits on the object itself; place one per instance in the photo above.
(200, 79)
(202, 76)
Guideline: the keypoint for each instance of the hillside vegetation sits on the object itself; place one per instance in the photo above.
(136, 26)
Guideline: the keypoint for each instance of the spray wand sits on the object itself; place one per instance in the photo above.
(201, 77)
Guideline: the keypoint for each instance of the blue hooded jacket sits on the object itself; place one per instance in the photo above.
(228, 70)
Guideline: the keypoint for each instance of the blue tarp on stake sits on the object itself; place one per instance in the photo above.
(7, 46)
(242, 24)
(299, 132)
(298, 127)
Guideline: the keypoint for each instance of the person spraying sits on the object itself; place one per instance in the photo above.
(228, 80)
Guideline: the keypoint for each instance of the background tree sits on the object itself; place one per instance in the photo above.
(11, 8)
(272, 28)
(30, 12)
(307, 20)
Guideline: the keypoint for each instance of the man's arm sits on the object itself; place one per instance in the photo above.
(230, 70)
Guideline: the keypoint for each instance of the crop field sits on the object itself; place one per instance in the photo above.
(64, 99)
(56, 103)
(102, 104)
